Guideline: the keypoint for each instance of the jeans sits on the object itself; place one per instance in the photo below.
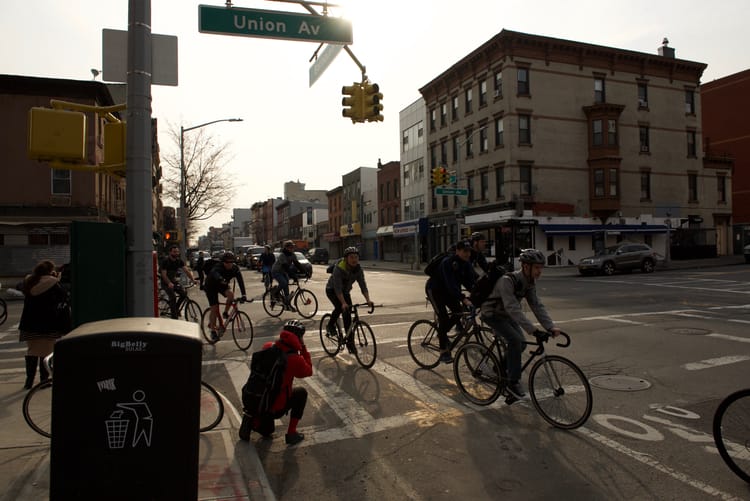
(283, 281)
(174, 303)
(514, 337)
(441, 303)
(338, 310)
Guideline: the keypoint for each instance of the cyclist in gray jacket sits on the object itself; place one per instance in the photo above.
(338, 289)
(502, 312)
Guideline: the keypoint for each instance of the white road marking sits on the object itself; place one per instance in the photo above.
(714, 362)
(729, 338)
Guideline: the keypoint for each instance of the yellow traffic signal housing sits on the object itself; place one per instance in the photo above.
(372, 103)
(444, 178)
(436, 176)
(114, 143)
(57, 134)
(353, 102)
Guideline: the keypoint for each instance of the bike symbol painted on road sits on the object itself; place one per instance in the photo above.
(135, 416)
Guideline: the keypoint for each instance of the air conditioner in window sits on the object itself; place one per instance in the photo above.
(644, 147)
(642, 103)
(498, 93)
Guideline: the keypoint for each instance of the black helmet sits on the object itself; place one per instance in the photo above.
(463, 245)
(531, 256)
(477, 236)
(351, 250)
(295, 327)
(228, 257)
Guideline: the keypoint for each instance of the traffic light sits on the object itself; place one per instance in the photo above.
(436, 176)
(442, 176)
(353, 102)
(171, 236)
(372, 99)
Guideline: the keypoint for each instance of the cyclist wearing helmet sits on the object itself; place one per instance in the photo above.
(298, 365)
(266, 260)
(217, 282)
(502, 312)
(284, 269)
(478, 259)
(339, 287)
(168, 269)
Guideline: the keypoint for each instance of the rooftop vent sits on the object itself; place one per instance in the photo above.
(665, 50)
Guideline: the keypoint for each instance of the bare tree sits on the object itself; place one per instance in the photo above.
(208, 186)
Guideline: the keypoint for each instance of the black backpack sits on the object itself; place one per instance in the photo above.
(267, 368)
(433, 267)
(486, 283)
(208, 265)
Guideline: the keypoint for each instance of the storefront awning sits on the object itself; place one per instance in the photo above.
(384, 231)
(587, 229)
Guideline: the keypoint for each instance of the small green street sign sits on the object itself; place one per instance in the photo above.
(452, 179)
(273, 24)
(446, 190)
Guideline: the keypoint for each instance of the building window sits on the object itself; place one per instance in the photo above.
(455, 149)
(645, 186)
(445, 201)
(498, 85)
(525, 178)
(483, 140)
(484, 185)
(571, 242)
(599, 96)
(597, 128)
(443, 153)
(721, 185)
(598, 183)
(382, 187)
(642, 95)
(689, 102)
(550, 243)
(612, 182)
(524, 129)
(499, 132)
(469, 144)
(60, 182)
(39, 238)
(692, 187)
(499, 182)
(443, 114)
(523, 82)
(467, 100)
(691, 152)
(454, 108)
(433, 157)
(643, 137)
(612, 132)
(470, 186)
(483, 93)
(433, 115)
(405, 141)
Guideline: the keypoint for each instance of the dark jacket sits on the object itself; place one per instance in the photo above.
(219, 275)
(39, 317)
(342, 278)
(286, 263)
(298, 365)
(452, 274)
(505, 302)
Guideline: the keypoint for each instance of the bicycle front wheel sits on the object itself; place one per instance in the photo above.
(37, 408)
(3, 311)
(192, 311)
(424, 347)
(306, 303)
(732, 432)
(164, 309)
(364, 340)
(272, 303)
(477, 372)
(211, 407)
(242, 330)
(560, 392)
(329, 341)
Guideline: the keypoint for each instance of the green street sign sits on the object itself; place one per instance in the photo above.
(273, 24)
(446, 190)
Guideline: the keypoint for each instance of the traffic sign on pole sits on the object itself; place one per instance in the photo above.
(273, 24)
(445, 190)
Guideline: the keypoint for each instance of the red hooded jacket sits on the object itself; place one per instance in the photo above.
(298, 365)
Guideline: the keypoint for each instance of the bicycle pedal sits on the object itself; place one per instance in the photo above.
(511, 399)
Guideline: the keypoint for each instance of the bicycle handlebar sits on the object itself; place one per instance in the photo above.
(543, 337)
(372, 307)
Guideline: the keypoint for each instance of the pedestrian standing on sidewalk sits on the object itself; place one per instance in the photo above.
(40, 324)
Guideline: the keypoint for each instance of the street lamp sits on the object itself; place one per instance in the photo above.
(459, 213)
(183, 179)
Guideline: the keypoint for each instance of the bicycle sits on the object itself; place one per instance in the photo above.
(266, 279)
(187, 308)
(423, 343)
(731, 429)
(364, 339)
(303, 300)
(237, 320)
(3, 311)
(37, 406)
(559, 390)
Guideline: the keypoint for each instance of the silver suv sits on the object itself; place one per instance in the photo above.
(624, 256)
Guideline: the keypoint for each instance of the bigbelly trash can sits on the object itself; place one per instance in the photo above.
(125, 411)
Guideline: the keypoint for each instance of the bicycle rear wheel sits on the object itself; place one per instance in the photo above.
(242, 330)
(306, 303)
(731, 429)
(272, 303)
(478, 373)
(192, 311)
(37, 408)
(560, 392)
(3, 311)
(211, 407)
(367, 348)
(164, 310)
(329, 341)
(424, 347)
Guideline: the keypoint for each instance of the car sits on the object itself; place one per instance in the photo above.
(318, 255)
(252, 259)
(307, 267)
(625, 256)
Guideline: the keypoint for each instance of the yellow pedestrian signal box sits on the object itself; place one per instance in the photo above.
(114, 143)
(171, 236)
(57, 134)
(353, 102)
(372, 103)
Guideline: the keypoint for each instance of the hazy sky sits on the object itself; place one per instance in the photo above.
(292, 132)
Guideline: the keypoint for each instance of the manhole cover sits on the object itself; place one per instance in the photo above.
(620, 383)
(690, 331)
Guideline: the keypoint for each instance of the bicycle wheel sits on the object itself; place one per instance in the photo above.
(192, 311)
(560, 392)
(212, 408)
(205, 327)
(329, 342)
(242, 330)
(477, 372)
(37, 408)
(306, 303)
(367, 348)
(732, 432)
(424, 347)
(164, 310)
(272, 304)
(3, 311)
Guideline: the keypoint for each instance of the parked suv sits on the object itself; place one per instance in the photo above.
(318, 255)
(624, 256)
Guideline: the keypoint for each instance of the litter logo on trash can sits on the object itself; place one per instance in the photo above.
(135, 416)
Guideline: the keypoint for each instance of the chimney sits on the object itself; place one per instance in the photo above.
(665, 50)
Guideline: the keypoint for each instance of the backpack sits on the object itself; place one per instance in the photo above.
(486, 283)
(267, 368)
(208, 265)
(433, 266)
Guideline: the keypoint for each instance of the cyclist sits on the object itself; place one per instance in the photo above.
(170, 265)
(266, 261)
(502, 312)
(285, 269)
(444, 291)
(199, 264)
(217, 282)
(338, 289)
(478, 259)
